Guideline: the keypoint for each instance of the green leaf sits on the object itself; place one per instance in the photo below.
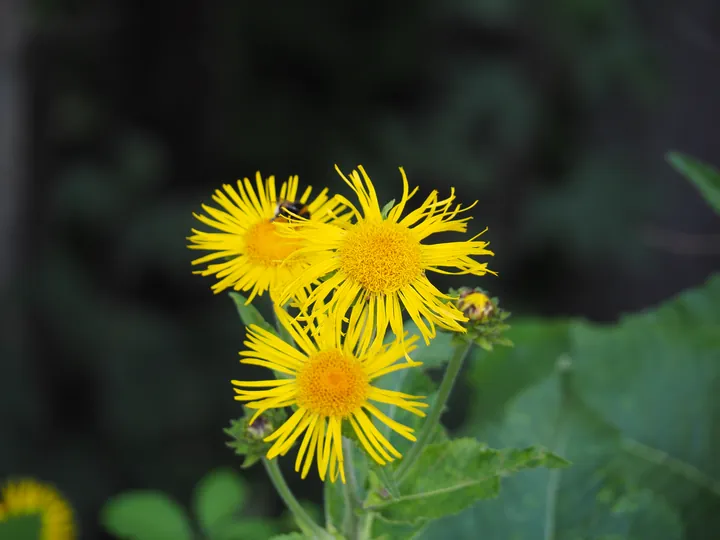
(290, 536)
(705, 177)
(498, 377)
(249, 314)
(655, 377)
(384, 529)
(218, 496)
(635, 408)
(24, 527)
(592, 499)
(145, 515)
(246, 529)
(448, 477)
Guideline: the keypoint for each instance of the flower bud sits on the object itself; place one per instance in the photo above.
(486, 320)
(248, 440)
(475, 304)
(260, 428)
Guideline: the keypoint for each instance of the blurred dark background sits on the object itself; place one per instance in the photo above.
(118, 118)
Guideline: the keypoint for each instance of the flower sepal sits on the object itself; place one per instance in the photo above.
(486, 319)
(247, 439)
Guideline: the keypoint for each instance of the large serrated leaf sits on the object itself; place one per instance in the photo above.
(705, 177)
(450, 476)
(591, 499)
(146, 515)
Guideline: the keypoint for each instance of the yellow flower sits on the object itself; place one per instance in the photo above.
(28, 497)
(247, 253)
(329, 382)
(379, 264)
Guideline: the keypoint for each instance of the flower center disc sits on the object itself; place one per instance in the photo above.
(332, 384)
(382, 257)
(265, 246)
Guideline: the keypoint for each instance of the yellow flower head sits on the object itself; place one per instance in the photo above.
(379, 265)
(28, 497)
(329, 382)
(247, 253)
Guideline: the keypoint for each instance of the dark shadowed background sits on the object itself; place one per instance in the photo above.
(118, 118)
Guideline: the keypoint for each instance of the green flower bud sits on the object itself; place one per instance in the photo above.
(486, 320)
(248, 440)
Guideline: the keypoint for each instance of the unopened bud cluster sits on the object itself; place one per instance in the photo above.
(486, 320)
(248, 438)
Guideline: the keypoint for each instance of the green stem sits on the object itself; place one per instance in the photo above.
(366, 526)
(436, 411)
(559, 445)
(304, 520)
(350, 493)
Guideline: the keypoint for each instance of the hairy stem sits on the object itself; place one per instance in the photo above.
(433, 419)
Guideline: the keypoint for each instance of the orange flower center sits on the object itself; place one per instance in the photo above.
(266, 247)
(382, 257)
(332, 384)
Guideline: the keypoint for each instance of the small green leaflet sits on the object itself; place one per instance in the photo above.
(249, 313)
(386, 209)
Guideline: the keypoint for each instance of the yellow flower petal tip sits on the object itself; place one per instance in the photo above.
(332, 381)
(28, 497)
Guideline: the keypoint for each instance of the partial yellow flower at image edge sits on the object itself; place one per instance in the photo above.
(28, 497)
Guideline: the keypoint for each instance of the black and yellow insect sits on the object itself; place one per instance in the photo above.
(290, 209)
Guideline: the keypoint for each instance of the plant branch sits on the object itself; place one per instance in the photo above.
(428, 429)
(303, 519)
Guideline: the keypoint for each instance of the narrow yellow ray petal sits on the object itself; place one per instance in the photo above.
(364, 441)
(401, 429)
(321, 458)
(287, 426)
(374, 433)
(369, 431)
(311, 449)
(285, 444)
(269, 365)
(306, 440)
